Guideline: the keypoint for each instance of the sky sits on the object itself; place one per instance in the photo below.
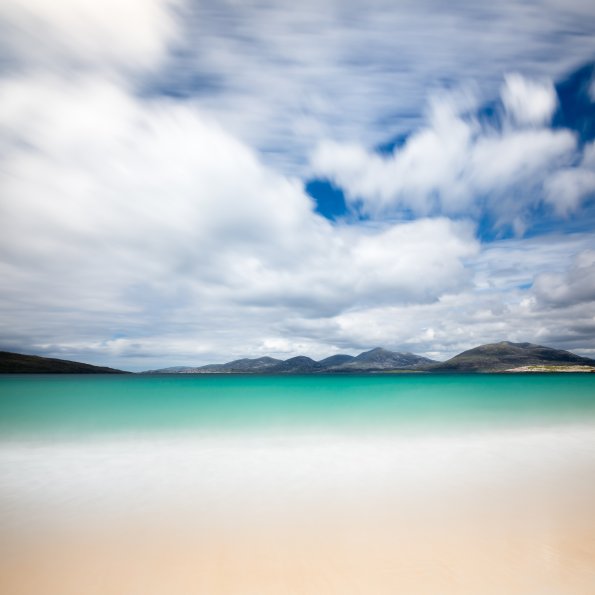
(185, 182)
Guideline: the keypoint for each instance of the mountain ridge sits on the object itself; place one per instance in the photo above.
(374, 360)
(503, 356)
(490, 357)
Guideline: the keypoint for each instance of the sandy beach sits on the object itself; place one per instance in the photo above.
(496, 556)
(507, 512)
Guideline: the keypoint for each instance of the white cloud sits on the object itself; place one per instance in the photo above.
(502, 305)
(527, 101)
(567, 188)
(140, 231)
(283, 76)
(143, 218)
(574, 286)
(454, 165)
(430, 164)
(70, 33)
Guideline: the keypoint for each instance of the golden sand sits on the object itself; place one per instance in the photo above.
(503, 516)
(467, 553)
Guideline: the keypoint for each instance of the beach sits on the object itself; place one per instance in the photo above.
(479, 559)
(300, 507)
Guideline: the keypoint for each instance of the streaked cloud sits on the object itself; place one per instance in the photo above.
(154, 154)
(566, 188)
(458, 164)
(283, 76)
(147, 211)
(67, 35)
(575, 286)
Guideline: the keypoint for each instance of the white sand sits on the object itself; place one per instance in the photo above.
(506, 512)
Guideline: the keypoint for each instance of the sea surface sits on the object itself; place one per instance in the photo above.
(297, 484)
(43, 407)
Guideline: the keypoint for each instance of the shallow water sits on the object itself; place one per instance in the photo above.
(58, 406)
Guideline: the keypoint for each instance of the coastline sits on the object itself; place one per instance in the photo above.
(297, 485)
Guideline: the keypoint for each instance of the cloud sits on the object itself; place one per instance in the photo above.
(501, 304)
(126, 219)
(283, 76)
(527, 101)
(457, 164)
(576, 285)
(65, 34)
(567, 188)
(152, 157)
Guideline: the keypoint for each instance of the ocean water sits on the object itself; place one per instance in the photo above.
(44, 407)
(298, 484)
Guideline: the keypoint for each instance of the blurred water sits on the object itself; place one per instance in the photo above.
(38, 407)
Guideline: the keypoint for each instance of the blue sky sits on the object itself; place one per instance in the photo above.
(187, 182)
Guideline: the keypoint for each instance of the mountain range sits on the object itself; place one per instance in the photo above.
(375, 360)
(494, 357)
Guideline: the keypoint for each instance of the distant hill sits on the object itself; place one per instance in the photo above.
(297, 365)
(16, 363)
(336, 360)
(499, 357)
(375, 360)
(382, 359)
(259, 365)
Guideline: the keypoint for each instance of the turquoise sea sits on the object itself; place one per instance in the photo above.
(37, 407)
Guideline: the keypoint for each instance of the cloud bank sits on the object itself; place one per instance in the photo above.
(153, 157)
(148, 211)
